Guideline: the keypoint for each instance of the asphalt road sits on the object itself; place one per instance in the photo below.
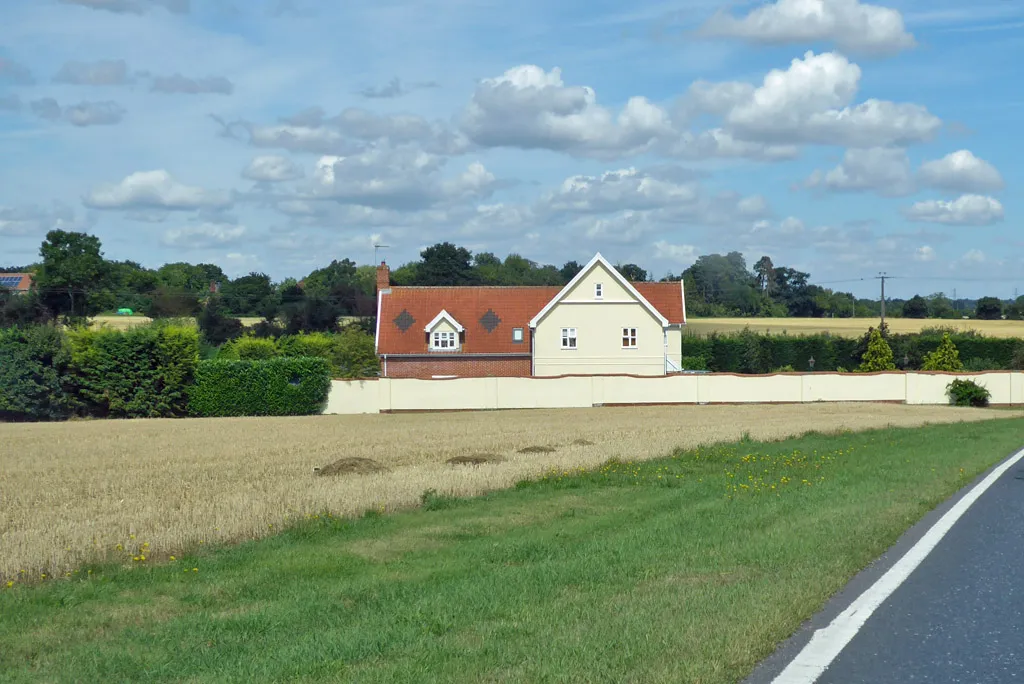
(958, 617)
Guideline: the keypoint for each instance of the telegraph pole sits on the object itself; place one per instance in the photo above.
(882, 276)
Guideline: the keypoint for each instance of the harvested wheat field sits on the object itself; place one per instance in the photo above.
(139, 491)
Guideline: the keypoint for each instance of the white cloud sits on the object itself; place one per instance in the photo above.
(924, 253)
(204, 235)
(529, 108)
(974, 256)
(272, 169)
(884, 170)
(966, 210)
(155, 190)
(627, 227)
(684, 255)
(177, 83)
(717, 143)
(961, 171)
(403, 178)
(82, 114)
(104, 72)
(810, 102)
(852, 25)
(618, 190)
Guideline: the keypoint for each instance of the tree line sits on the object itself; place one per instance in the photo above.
(73, 281)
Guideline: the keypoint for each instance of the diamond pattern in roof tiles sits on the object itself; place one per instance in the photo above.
(404, 320)
(490, 320)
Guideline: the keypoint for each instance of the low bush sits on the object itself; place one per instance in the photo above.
(33, 374)
(878, 356)
(968, 393)
(272, 387)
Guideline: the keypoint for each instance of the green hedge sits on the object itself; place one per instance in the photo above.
(33, 374)
(351, 352)
(750, 352)
(271, 387)
(143, 372)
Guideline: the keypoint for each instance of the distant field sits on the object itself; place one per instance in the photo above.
(848, 327)
(125, 322)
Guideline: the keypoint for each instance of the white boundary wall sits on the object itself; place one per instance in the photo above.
(406, 394)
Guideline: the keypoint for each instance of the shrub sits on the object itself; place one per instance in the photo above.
(33, 374)
(248, 348)
(271, 387)
(976, 365)
(351, 352)
(784, 369)
(1017, 360)
(967, 393)
(945, 358)
(694, 363)
(216, 326)
(143, 372)
(878, 356)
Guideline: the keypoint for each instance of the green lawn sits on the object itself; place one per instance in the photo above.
(687, 569)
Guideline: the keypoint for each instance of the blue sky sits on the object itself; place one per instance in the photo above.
(840, 137)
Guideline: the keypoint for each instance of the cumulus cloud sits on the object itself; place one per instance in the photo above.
(810, 102)
(529, 108)
(155, 190)
(961, 171)
(204, 235)
(852, 25)
(132, 6)
(177, 83)
(717, 143)
(396, 178)
(883, 170)
(272, 169)
(924, 253)
(966, 210)
(100, 73)
(15, 73)
(618, 190)
(395, 88)
(82, 114)
(684, 255)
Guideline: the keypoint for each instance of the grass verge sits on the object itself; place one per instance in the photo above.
(689, 568)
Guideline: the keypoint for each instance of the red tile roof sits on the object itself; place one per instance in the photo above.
(22, 285)
(513, 306)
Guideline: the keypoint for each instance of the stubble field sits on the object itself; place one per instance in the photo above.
(140, 491)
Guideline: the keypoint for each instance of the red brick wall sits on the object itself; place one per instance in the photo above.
(464, 367)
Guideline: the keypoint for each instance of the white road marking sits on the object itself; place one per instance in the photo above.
(828, 641)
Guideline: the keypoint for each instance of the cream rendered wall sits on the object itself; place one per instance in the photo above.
(354, 396)
(748, 389)
(599, 324)
(927, 388)
(854, 387)
(675, 346)
(1017, 388)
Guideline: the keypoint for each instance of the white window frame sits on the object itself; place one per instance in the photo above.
(444, 340)
(569, 340)
(598, 290)
(629, 338)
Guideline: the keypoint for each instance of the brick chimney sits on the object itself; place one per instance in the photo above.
(383, 277)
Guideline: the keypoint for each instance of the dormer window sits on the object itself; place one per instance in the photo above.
(444, 340)
(598, 290)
